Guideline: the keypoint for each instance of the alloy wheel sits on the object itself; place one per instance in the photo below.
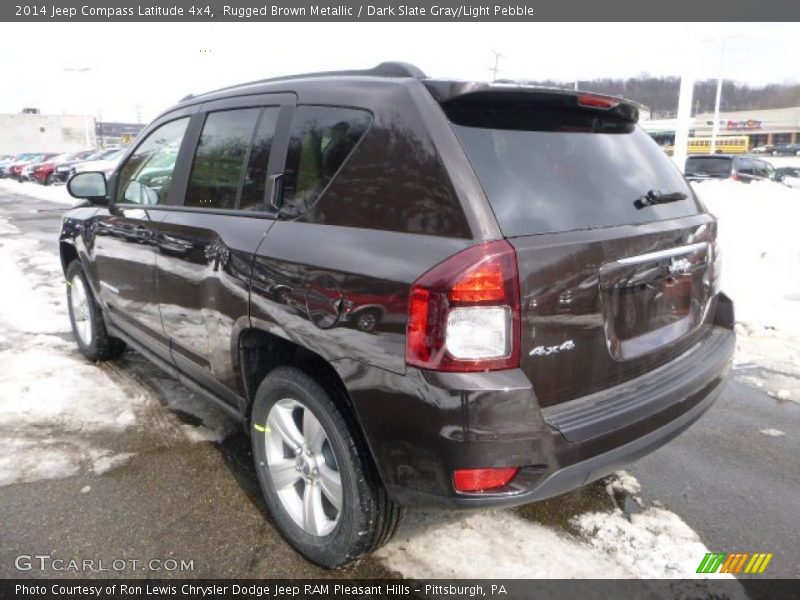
(302, 467)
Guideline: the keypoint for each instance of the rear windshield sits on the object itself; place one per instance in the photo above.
(712, 166)
(571, 173)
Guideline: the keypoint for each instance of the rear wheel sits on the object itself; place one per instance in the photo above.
(317, 479)
(87, 320)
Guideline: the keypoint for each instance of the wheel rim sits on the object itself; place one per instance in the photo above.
(81, 317)
(302, 467)
(367, 322)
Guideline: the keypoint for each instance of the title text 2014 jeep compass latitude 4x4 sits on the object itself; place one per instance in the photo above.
(409, 290)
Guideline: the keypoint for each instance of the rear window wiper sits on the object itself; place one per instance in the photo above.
(653, 197)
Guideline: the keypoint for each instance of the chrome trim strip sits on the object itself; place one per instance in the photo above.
(632, 260)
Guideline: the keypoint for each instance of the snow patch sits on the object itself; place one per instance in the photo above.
(104, 461)
(772, 432)
(652, 543)
(53, 193)
(24, 460)
(760, 252)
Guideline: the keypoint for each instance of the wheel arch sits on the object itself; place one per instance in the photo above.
(260, 352)
(68, 252)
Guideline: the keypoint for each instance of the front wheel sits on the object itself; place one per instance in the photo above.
(87, 320)
(317, 478)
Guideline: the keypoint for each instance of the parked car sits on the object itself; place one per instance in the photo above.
(738, 168)
(44, 172)
(26, 174)
(14, 169)
(786, 150)
(765, 149)
(10, 159)
(62, 170)
(789, 176)
(105, 162)
(453, 206)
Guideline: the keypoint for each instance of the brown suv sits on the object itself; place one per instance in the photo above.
(408, 290)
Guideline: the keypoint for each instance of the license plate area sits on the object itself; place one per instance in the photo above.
(651, 300)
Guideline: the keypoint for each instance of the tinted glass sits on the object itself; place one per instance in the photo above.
(147, 175)
(255, 176)
(715, 167)
(321, 139)
(548, 181)
(219, 158)
(745, 166)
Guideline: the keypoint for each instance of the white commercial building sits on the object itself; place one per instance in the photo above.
(24, 132)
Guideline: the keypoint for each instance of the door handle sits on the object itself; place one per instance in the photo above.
(276, 191)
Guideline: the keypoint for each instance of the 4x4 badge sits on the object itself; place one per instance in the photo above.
(548, 350)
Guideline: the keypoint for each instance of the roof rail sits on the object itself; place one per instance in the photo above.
(385, 69)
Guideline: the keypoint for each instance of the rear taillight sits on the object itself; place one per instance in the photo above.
(464, 314)
(479, 480)
(734, 175)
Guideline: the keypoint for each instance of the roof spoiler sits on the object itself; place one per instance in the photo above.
(464, 93)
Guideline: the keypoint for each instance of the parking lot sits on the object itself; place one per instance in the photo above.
(119, 462)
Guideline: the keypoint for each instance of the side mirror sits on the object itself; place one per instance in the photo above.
(89, 186)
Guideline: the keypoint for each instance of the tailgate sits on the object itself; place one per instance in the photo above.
(597, 312)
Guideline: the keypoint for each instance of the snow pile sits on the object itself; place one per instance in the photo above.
(52, 401)
(760, 251)
(653, 543)
(53, 193)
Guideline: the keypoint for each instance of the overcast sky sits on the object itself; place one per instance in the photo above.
(140, 69)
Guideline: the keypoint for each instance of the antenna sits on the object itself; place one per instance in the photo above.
(496, 68)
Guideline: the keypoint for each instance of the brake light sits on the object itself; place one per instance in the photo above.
(734, 176)
(464, 314)
(592, 101)
(479, 480)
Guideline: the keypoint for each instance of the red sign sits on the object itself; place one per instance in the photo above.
(739, 125)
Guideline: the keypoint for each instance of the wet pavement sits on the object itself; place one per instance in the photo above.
(180, 498)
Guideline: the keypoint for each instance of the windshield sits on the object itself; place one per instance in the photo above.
(560, 180)
(712, 166)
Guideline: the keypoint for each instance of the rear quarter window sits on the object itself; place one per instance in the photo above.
(321, 140)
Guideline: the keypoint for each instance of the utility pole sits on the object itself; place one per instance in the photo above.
(715, 126)
(496, 68)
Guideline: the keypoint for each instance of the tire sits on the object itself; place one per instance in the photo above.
(366, 518)
(86, 319)
(49, 179)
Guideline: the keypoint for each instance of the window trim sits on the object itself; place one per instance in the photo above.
(285, 101)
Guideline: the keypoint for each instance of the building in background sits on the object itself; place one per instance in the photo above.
(770, 126)
(116, 134)
(30, 131)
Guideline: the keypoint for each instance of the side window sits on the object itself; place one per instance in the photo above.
(321, 139)
(745, 167)
(146, 176)
(255, 176)
(219, 158)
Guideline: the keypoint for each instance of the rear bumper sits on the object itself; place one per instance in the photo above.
(459, 421)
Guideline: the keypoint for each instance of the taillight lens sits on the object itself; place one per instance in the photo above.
(464, 315)
(479, 480)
